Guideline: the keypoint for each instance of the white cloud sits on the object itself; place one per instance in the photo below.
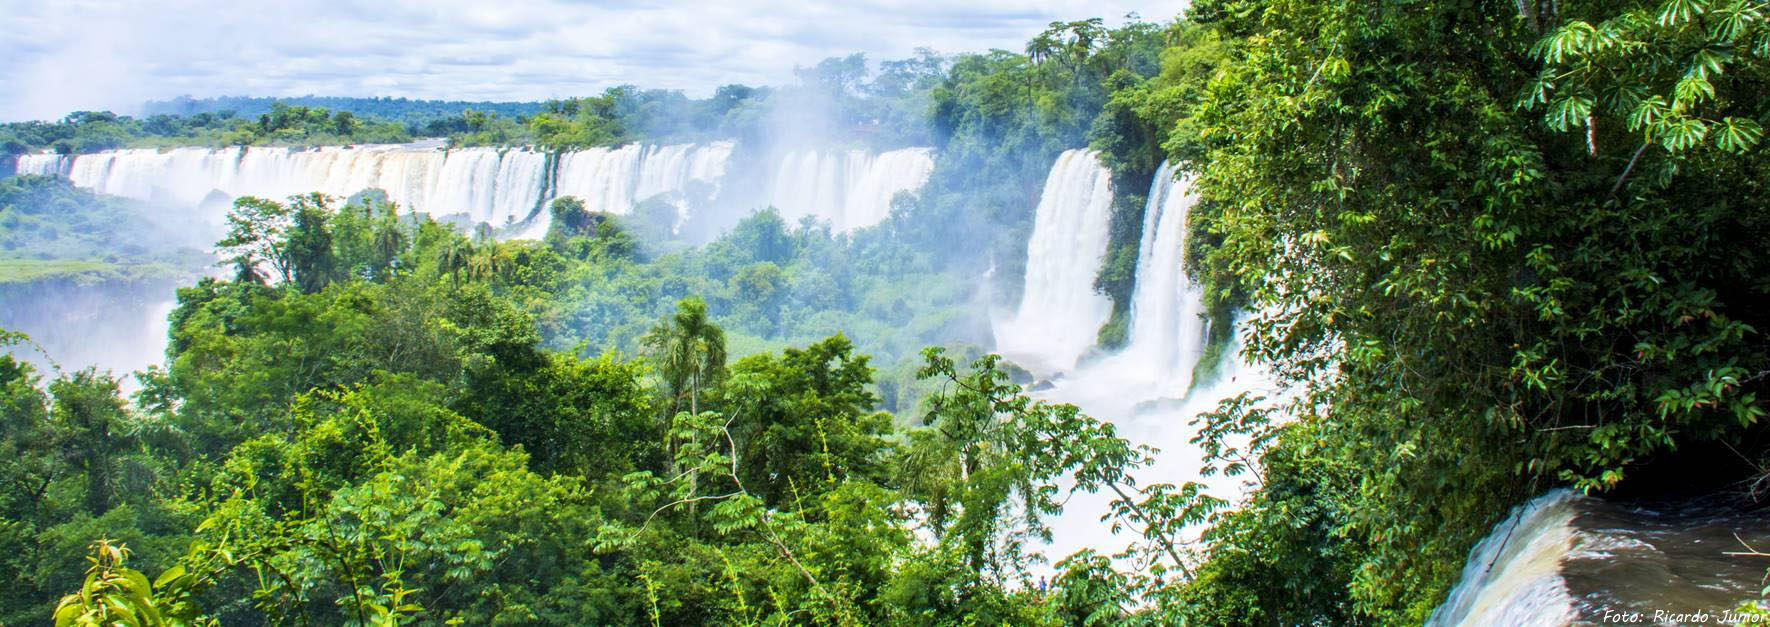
(66, 55)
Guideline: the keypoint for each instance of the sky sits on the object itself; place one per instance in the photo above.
(58, 56)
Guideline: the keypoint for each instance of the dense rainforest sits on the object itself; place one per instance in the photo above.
(1491, 248)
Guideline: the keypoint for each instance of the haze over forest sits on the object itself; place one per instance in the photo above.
(1229, 312)
(96, 55)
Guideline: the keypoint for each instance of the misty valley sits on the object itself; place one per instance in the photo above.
(1246, 312)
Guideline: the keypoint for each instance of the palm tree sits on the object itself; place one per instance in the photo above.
(453, 257)
(390, 239)
(689, 351)
(479, 266)
(494, 259)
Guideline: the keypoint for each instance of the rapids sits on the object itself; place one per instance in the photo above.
(1565, 558)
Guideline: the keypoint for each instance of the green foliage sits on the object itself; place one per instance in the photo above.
(804, 422)
(1494, 246)
(572, 416)
(49, 228)
(689, 353)
(391, 444)
(1117, 278)
(1672, 73)
(402, 110)
(116, 595)
(78, 466)
(769, 285)
(367, 424)
(987, 443)
(617, 116)
(280, 125)
(1479, 301)
(1000, 120)
(577, 232)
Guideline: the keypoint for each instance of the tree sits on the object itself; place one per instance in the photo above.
(390, 238)
(114, 594)
(570, 219)
(93, 429)
(312, 261)
(987, 464)
(255, 237)
(688, 351)
(572, 416)
(1483, 271)
(805, 421)
(453, 257)
(344, 123)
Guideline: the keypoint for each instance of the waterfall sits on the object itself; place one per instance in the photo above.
(601, 177)
(499, 186)
(1060, 312)
(492, 185)
(1564, 558)
(618, 179)
(1167, 334)
(114, 325)
(849, 189)
(43, 164)
(503, 186)
(1513, 577)
(1143, 389)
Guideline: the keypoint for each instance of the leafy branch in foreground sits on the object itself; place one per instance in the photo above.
(1006, 445)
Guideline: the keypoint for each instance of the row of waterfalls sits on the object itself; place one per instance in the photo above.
(1558, 559)
(507, 187)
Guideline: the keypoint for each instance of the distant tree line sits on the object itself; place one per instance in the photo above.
(405, 111)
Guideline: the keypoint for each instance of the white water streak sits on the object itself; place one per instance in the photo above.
(1513, 577)
(849, 189)
(498, 186)
(1060, 312)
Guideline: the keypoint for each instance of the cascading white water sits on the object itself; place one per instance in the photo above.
(492, 185)
(1513, 577)
(1060, 312)
(1167, 334)
(1150, 416)
(850, 189)
(1561, 558)
(42, 164)
(604, 178)
(616, 180)
(115, 326)
(1565, 558)
(1142, 390)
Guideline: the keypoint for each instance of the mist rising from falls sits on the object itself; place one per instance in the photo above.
(849, 189)
(1060, 313)
(1144, 389)
(113, 325)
